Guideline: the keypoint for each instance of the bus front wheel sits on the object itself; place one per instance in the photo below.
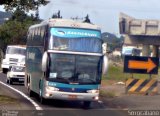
(86, 104)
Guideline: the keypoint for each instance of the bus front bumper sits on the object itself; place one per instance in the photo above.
(71, 96)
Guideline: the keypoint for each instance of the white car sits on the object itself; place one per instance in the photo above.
(15, 74)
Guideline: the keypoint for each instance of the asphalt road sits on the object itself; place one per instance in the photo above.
(66, 108)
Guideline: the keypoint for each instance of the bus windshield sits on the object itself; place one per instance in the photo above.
(14, 50)
(78, 69)
(78, 40)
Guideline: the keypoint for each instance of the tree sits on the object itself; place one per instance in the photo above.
(24, 5)
(87, 20)
(18, 15)
(14, 31)
(37, 15)
(57, 15)
(5, 2)
(112, 40)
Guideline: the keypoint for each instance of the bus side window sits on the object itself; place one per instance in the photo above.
(30, 36)
(45, 37)
(41, 36)
(33, 34)
(42, 32)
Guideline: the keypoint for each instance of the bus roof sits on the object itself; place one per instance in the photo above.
(67, 23)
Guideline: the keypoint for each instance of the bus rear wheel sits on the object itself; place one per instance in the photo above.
(31, 94)
(41, 99)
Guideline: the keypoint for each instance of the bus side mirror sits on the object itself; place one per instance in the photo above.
(44, 61)
(105, 65)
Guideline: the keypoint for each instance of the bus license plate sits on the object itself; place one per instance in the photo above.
(72, 96)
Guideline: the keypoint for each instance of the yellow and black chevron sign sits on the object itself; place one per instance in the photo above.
(142, 86)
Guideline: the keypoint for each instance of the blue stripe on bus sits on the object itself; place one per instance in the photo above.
(56, 84)
(73, 87)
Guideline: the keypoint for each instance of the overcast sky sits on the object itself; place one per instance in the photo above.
(105, 13)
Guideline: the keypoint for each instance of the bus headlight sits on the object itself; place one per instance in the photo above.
(93, 91)
(50, 89)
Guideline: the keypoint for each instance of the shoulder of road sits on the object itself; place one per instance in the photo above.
(10, 100)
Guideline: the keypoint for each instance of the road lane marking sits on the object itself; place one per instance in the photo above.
(24, 95)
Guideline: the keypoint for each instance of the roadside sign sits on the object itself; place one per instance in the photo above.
(143, 65)
(141, 86)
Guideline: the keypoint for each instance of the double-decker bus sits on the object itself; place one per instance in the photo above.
(65, 60)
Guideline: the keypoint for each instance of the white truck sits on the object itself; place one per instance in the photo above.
(131, 51)
(15, 56)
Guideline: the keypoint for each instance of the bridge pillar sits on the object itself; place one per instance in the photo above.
(145, 50)
(155, 51)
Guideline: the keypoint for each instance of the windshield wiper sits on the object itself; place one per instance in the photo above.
(69, 81)
(62, 79)
(85, 80)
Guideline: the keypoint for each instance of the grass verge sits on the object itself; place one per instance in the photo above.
(108, 94)
(7, 100)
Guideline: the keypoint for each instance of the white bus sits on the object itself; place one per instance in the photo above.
(65, 61)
